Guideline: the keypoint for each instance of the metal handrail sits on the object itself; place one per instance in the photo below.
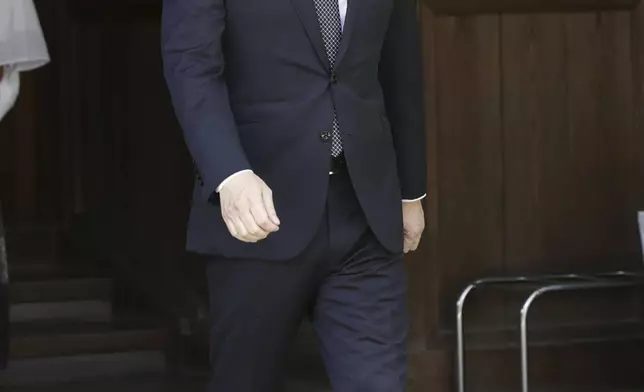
(597, 280)
(460, 304)
(525, 309)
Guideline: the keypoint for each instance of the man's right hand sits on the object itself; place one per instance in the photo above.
(247, 208)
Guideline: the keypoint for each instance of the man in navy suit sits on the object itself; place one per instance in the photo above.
(304, 119)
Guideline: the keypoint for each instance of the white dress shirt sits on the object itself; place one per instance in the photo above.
(343, 16)
(22, 47)
(343, 11)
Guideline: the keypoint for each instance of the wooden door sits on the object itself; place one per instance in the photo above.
(536, 166)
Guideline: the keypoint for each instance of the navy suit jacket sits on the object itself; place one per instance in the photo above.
(252, 89)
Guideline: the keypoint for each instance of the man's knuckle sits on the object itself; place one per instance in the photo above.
(263, 222)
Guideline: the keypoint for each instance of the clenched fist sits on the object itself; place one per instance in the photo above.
(247, 208)
(413, 224)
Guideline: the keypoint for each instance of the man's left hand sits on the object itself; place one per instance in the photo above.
(413, 224)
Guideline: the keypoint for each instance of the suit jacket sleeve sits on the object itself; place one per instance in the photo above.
(194, 70)
(400, 76)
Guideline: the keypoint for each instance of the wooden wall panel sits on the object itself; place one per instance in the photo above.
(537, 169)
(600, 102)
(535, 141)
(420, 285)
(469, 152)
(473, 7)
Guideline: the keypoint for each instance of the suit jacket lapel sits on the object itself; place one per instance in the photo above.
(349, 23)
(306, 11)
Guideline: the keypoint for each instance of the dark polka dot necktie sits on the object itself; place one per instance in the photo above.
(328, 12)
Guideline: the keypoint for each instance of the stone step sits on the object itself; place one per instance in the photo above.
(77, 311)
(59, 338)
(123, 379)
(35, 270)
(69, 372)
(45, 270)
(80, 299)
(33, 242)
(60, 290)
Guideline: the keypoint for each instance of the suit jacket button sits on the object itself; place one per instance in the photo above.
(334, 78)
(325, 136)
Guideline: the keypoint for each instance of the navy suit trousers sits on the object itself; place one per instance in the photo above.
(351, 286)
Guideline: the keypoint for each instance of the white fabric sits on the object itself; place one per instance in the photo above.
(22, 47)
(22, 44)
(230, 177)
(343, 11)
(9, 87)
(413, 200)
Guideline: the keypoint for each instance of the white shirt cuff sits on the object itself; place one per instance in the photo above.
(229, 177)
(420, 198)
